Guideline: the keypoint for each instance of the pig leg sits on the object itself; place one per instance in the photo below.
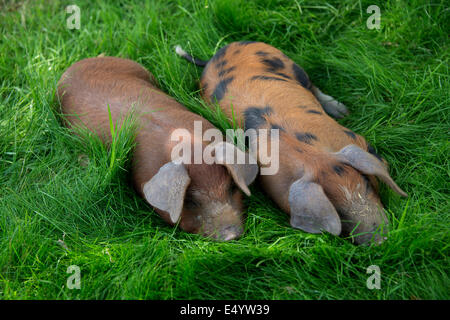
(329, 104)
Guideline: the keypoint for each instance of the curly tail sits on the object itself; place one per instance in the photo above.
(188, 57)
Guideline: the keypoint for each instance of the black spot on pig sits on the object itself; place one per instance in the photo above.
(226, 71)
(254, 116)
(273, 64)
(351, 134)
(305, 137)
(301, 76)
(221, 64)
(314, 111)
(221, 88)
(219, 54)
(281, 74)
(261, 53)
(276, 126)
(371, 150)
(267, 78)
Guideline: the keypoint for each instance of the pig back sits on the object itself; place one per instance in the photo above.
(89, 87)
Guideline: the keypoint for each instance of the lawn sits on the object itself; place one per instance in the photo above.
(67, 201)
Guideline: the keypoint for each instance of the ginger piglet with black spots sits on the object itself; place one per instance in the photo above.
(327, 173)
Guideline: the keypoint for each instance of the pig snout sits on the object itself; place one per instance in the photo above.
(367, 225)
(222, 222)
(376, 235)
(370, 237)
(229, 233)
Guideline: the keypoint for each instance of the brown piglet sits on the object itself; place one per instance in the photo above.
(327, 173)
(202, 198)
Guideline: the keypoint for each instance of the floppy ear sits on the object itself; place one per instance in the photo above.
(311, 211)
(368, 164)
(166, 190)
(244, 173)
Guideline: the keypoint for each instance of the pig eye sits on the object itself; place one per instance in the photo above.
(367, 183)
(190, 203)
(234, 189)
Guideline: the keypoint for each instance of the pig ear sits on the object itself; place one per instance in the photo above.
(311, 211)
(368, 164)
(166, 190)
(242, 174)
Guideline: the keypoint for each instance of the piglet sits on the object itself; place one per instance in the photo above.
(202, 198)
(326, 177)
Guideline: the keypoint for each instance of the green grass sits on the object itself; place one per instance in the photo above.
(56, 186)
